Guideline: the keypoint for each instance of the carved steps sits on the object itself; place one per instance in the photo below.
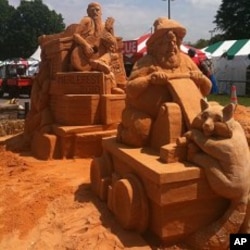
(82, 141)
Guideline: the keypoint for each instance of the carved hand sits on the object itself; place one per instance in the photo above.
(158, 78)
(109, 23)
(88, 51)
(196, 75)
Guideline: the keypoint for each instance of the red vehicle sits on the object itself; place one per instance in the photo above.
(15, 78)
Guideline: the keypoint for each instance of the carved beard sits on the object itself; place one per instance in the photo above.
(169, 61)
(98, 25)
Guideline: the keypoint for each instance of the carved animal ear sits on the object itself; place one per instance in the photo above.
(228, 112)
(204, 104)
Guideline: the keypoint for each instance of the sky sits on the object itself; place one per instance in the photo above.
(134, 18)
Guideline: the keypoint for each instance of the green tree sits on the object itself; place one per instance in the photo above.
(216, 38)
(233, 19)
(201, 43)
(30, 20)
(5, 13)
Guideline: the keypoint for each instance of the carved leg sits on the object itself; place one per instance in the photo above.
(135, 128)
(100, 66)
(193, 149)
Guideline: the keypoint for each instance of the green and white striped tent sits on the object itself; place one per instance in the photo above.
(230, 49)
(231, 61)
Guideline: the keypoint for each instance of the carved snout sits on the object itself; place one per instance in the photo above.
(208, 127)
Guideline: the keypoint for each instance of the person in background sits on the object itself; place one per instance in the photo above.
(212, 78)
(205, 67)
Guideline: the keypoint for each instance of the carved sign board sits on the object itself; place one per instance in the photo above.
(78, 83)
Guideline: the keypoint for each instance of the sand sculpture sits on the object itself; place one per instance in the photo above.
(178, 166)
(219, 145)
(78, 94)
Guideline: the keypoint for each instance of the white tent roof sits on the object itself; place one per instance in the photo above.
(37, 54)
(231, 60)
(229, 48)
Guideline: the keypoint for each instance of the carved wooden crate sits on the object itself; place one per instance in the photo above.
(58, 51)
(57, 45)
(90, 144)
(111, 108)
(81, 141)
(76, 110)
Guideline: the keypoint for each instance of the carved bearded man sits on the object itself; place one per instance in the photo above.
(147, 87)
(88, 36)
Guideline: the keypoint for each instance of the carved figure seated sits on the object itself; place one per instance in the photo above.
(149, 85)
(218, 144)
(97, 48)
(88, 43)
(80, 45)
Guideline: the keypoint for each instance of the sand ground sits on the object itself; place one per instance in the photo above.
(49, 205)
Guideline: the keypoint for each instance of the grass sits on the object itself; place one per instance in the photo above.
(225, 99)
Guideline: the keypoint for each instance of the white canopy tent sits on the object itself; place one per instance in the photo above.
(231, 61)
(37, 54)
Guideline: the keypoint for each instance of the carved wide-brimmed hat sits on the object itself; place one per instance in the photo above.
(162, 25)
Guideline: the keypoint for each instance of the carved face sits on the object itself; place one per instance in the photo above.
(210, 118)
(167, 52)
(215, 120)
(94, 11)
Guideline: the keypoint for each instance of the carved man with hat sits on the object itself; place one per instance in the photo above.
(148, 84)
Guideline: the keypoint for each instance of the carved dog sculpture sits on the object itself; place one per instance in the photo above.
(218, 144)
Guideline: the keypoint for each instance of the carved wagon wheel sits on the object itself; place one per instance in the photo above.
(130, 204)
(100, 175)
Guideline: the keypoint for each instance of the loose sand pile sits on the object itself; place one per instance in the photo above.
(49, 205)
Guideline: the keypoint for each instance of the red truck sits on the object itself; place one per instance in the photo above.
(15, 78)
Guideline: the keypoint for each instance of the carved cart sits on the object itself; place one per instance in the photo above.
(155, 188)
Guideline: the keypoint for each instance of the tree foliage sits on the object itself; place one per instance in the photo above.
(232, 22)
(5, 13)
(22, 27)
(201, 43)
(233, 19)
